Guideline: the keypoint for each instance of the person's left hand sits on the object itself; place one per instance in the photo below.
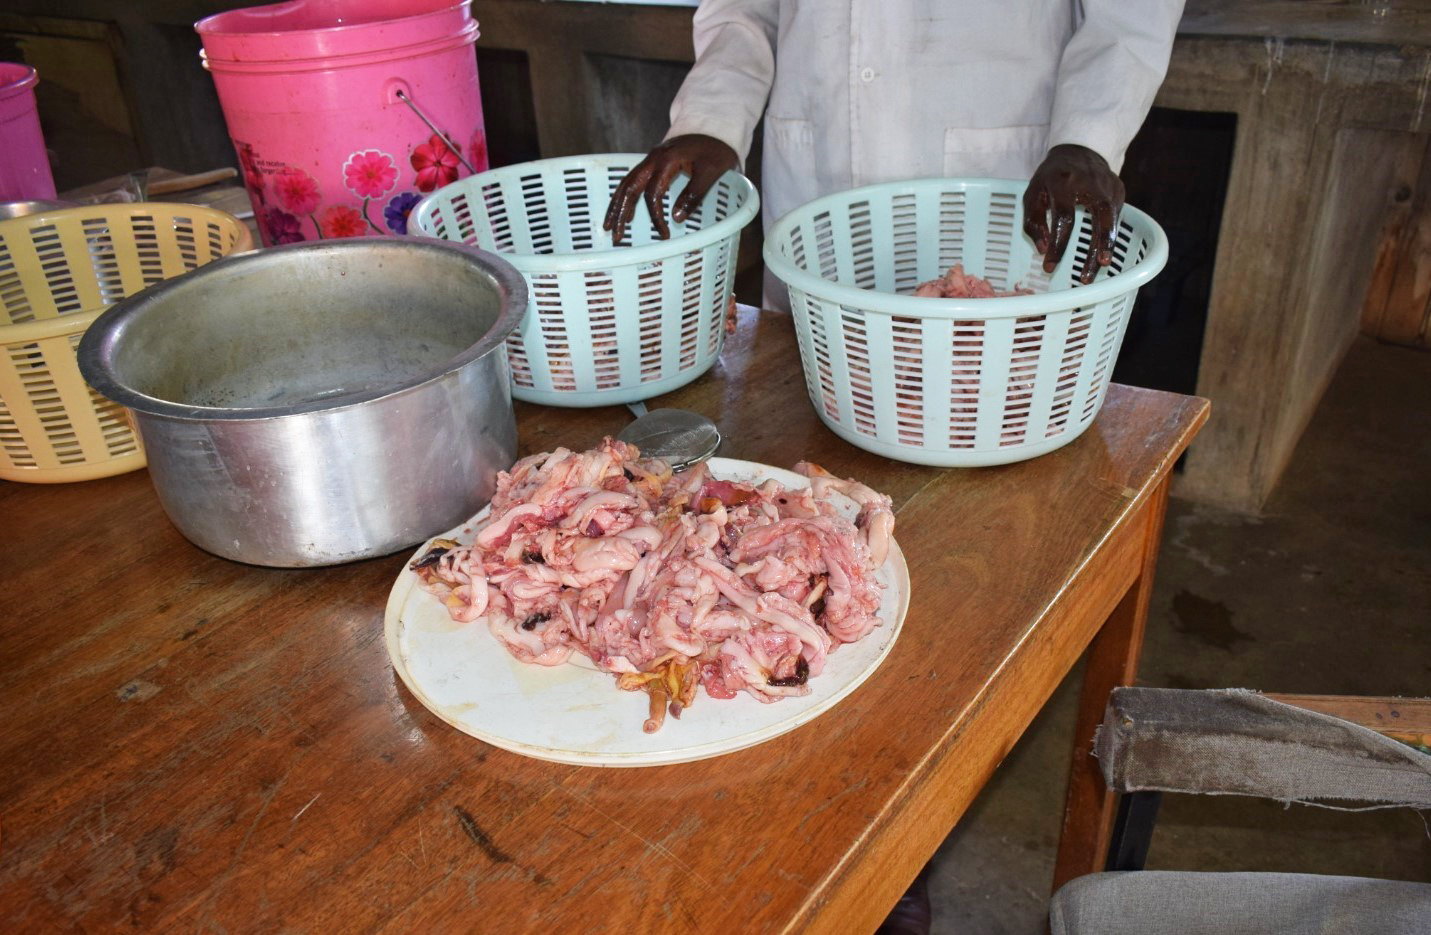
(1069, 176)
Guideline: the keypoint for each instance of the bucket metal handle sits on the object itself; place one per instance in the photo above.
(402, 96)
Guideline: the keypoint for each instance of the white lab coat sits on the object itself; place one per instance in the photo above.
(866, 91)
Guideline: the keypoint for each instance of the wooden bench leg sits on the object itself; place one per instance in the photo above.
(1112, 661)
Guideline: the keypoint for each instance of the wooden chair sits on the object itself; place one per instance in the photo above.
(1296, 749)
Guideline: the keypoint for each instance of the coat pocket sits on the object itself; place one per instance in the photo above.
(788, 173)
(994, 152)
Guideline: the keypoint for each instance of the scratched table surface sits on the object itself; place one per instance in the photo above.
(193, 744)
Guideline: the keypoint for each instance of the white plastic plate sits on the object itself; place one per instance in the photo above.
(574, 713)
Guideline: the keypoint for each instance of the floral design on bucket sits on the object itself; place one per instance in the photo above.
(282, 227)
(341, 221)
(370, 174)
(436, 164)
(287, 199)
(398, 210)
(296, 190)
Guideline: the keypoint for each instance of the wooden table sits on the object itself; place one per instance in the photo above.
(200, 745)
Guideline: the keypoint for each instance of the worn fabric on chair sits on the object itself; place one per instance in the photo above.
(1240, 742)
(1152, 902)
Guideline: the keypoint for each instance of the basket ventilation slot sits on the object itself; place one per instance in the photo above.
(907, 342)
(905, 252)
(967, 356)
(1004, 221)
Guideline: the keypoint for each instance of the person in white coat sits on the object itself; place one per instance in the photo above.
(866, 91)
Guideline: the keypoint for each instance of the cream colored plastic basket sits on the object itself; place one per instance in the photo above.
(953, 382)
(58, 271)
(606, 325)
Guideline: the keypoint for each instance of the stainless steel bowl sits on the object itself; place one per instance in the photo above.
(321, 402)
(9, 210)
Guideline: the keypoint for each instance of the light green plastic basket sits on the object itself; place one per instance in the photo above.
(606, 325)
(953, 382)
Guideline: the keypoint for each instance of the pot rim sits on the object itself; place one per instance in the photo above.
(95, 353)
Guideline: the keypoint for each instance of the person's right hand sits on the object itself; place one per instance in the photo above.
(703, 158)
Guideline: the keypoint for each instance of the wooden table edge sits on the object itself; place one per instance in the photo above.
(1112, 660)
(835, 905)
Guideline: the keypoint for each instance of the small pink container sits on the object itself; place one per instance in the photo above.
(345, 113)
(24, 164)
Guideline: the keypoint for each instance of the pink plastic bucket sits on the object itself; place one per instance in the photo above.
(24, 164)
(345, 113)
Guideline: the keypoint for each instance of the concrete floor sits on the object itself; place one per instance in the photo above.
(1327, 592)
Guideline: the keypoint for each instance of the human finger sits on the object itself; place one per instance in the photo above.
(622, 207)
(656, 190)
(1105, 232)
(703, 176)
(633, 181)
(1062, 234)
(1036, 217)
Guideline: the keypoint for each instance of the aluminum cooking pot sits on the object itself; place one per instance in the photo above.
(319, 402)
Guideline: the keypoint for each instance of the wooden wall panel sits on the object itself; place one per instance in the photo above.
(1398, 302)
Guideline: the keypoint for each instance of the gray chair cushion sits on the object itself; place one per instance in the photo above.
(1151, 902)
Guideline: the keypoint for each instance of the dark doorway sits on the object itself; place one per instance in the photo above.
(1176, 170)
